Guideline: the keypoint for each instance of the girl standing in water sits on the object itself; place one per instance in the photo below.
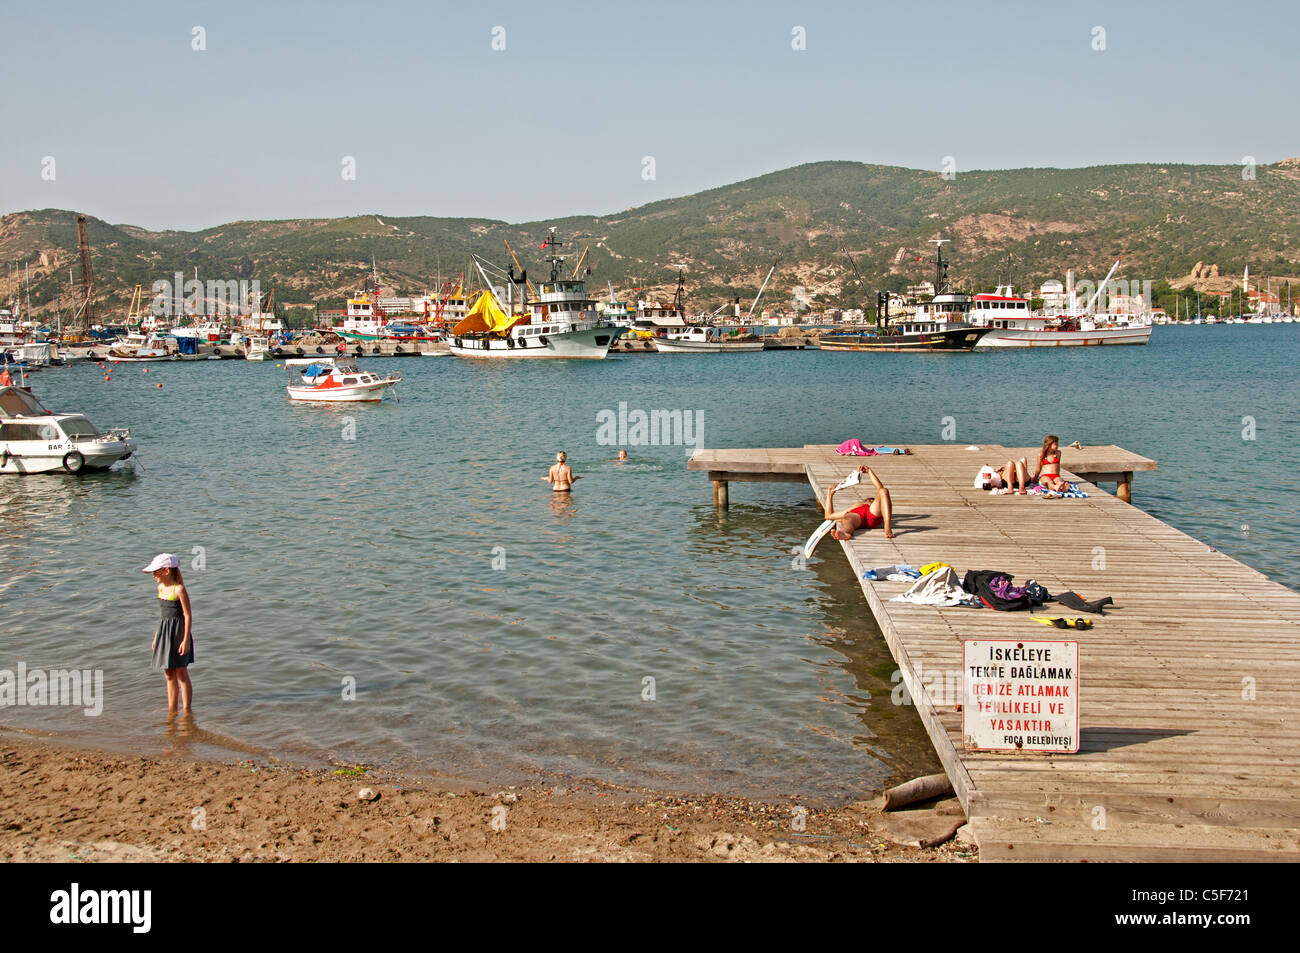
(560, 477)
(173, 644)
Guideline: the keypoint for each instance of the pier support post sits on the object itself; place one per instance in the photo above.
(1124, 488)
(720, 493)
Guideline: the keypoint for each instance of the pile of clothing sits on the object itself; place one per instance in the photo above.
(940, 586)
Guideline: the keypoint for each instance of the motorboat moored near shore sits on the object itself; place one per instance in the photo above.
(36, 440)
(335, 379)
(706, 339)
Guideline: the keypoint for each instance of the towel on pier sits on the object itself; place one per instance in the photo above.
(940, 588)
(1071, 491)
(854, 448)
(900, 572)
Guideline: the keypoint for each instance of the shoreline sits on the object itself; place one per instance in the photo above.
(68, 802)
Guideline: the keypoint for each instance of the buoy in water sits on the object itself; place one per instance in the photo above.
(160, 385)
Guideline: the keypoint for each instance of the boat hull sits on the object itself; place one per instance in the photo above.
(1000, 338)
(98, 455)
(667, 346)
(955, 340)
(587, 344)
(368, 393)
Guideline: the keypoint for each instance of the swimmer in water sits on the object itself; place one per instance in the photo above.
(560, 477)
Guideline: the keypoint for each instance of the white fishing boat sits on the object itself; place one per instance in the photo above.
(1011, 323)
(256, 349)
(36, 440)
(705, 339)
(141, 347)
(656, 319)
(561, 323)
(335, 380)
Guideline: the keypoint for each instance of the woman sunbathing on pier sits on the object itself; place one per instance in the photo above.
(1048, 471)
(872, 513)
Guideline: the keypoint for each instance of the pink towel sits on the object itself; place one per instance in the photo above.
(854, 448)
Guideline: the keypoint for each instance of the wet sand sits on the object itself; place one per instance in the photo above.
(65, 803)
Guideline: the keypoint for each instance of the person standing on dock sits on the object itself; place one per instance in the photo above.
(173, 643)
(560, 477)
(869, 515)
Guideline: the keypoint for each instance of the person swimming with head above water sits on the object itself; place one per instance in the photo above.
(868, 515)
(560, 477)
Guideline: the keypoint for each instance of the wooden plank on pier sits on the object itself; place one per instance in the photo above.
(1189, 710)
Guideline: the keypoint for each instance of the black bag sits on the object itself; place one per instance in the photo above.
(978, 582)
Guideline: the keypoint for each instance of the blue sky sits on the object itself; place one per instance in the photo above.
(145, 130)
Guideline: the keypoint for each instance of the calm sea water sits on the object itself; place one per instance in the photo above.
(373, 558)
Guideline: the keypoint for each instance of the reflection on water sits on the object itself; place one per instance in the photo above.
(496, 629)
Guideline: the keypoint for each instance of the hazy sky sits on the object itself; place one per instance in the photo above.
(143, 129)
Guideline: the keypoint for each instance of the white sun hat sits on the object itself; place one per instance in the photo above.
(163, 561)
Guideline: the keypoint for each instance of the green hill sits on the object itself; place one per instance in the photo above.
(1164, 219)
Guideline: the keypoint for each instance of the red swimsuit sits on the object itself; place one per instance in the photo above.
(869, 519)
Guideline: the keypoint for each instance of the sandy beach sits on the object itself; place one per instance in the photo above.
(72, 804)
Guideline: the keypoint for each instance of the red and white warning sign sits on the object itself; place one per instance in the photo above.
(1020, 695)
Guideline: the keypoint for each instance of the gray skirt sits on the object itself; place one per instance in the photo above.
(171, 632)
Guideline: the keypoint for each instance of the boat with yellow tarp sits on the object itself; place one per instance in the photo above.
(560, 321)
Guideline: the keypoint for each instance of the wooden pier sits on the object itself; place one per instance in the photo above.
(1189, 686)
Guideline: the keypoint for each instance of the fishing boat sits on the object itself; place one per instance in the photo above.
(139, 346)
(36, 440)
(335, 379)
(706, 339)
(654, 319)
(1011, 323)
(561, 322)
(256, 349)
(940, 324)
(616, 312)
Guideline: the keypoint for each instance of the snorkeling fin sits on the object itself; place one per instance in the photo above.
(1061, 623)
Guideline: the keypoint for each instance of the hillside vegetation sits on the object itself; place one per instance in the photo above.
(1028, 224)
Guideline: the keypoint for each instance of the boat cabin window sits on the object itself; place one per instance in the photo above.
(28, 432)
(349, 380)
(78, 427)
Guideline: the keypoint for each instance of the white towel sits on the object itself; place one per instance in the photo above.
(940, 588)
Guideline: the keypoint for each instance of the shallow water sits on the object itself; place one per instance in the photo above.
(372, 558)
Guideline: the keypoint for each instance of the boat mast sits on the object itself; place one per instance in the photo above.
(760, 291)
(940, 266)
(1105, 281)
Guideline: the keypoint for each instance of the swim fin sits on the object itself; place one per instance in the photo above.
(1061, 623)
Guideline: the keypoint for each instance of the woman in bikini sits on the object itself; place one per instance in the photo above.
(1048, 472)
(173, 643)
(869, 515)
(560, 477)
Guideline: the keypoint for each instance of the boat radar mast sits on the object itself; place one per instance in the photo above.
(940, 266)
(555, 258)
